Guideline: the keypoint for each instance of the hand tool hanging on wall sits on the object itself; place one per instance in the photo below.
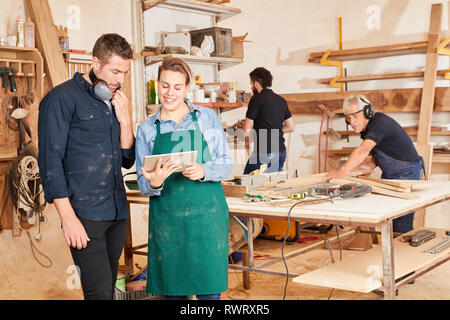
(4, 74)
(8, 74)
(30, 94)
(12, 83)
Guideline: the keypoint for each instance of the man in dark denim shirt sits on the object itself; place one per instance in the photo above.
(84, 142)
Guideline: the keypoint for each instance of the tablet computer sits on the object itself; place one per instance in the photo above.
(185, 158)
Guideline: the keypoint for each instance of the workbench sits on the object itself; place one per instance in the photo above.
(367, 211)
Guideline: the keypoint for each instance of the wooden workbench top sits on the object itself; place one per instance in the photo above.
(369, 209)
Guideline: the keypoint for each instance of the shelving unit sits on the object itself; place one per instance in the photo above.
(218, 11)
(222, 62)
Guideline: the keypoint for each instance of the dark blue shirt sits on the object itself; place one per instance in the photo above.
(79, 152)
(390, 138)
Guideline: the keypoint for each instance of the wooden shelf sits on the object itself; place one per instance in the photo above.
(438, 157)
(27, 62)
(222, 105)
(384, 100)
(219, 11)
(15, 49)
(368, 77)
(221, 61)
(372, 52)
(411, 131)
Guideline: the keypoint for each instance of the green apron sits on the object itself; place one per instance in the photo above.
(188, 225)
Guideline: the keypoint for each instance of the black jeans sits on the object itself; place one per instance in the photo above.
(99, 261)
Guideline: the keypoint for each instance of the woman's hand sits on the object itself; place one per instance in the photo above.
(194, 172)
(157, 177)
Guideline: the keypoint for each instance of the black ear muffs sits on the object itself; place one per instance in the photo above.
(100, 87)
(367, 110)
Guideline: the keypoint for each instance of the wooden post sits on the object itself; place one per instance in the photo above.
(47, 41)
(245, 273)
(388, 259)
(128, 246)
(426, 106)
(427, 103)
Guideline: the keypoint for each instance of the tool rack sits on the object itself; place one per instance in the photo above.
(27, 61)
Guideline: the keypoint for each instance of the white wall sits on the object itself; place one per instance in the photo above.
(282, 35)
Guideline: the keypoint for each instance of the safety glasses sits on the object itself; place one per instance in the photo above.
(350, 116)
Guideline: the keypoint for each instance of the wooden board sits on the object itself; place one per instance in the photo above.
(379, 190)
(381, 184)
(372, 52)
(387, 100)
(385, 76)
(232, 190)
(363, 271)
(47, 40)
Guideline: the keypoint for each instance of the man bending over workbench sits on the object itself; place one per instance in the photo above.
(389, 145)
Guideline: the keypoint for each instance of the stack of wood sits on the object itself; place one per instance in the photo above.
(393, 188)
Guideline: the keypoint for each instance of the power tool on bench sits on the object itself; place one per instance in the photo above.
(353, 190)
(350, 190)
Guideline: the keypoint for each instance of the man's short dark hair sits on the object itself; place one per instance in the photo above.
(263, 76)
(110, 44)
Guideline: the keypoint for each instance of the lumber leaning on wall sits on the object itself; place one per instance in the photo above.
(47, 41)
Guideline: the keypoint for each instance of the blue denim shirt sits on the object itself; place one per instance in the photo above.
(216, 170)
(79, 152)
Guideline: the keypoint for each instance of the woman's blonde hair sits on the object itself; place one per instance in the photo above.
(175, 65)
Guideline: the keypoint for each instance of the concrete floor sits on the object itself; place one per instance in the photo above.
(432, 286)
(22, 277)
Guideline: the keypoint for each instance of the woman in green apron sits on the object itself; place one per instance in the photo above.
(188, 214)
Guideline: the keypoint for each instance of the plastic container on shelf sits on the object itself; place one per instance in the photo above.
(30, 41)
(20, 32)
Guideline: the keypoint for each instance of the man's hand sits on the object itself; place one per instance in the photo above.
(74, 232)
(160, 174)
(120, 103)
(335, 174)
(194, 172)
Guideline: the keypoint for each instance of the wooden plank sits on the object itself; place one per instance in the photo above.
(47, 40)
(411, 131)
(427, 102)
(390, 100)
(378, 190)
(405, 188)
(385, 76)
(372, 52)
(232, 190)
(396, 183)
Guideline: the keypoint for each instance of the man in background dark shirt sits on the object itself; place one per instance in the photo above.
(84, 141)
(269, 116)
(389, 145)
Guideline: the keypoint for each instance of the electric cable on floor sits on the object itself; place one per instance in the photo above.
(285, 237)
